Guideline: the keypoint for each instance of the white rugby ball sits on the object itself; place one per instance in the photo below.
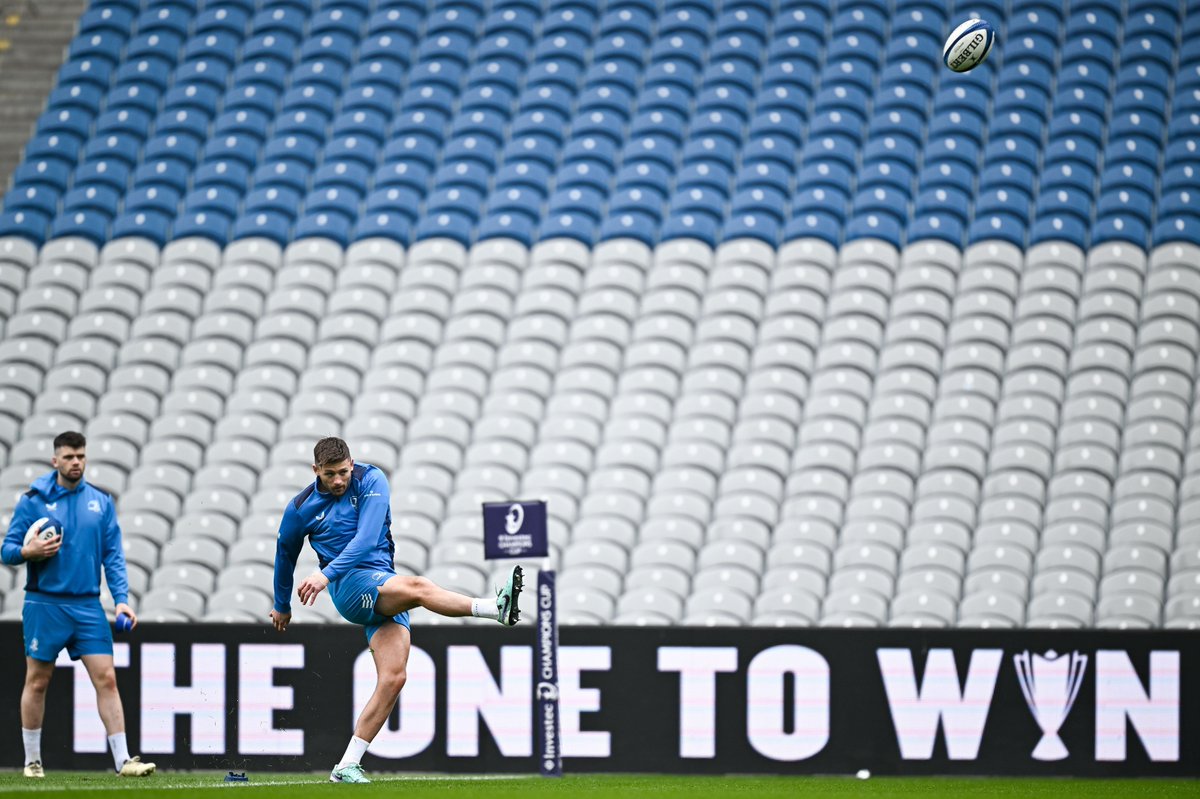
(44, 528)
(968, 45)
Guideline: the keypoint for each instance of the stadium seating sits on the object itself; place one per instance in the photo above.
(788, 323)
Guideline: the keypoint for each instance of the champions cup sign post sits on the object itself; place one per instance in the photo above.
(515, 530)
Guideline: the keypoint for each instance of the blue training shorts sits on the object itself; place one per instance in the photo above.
(354, 595)
(51, 623)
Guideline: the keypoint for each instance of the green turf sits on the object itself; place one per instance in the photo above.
(396, 786)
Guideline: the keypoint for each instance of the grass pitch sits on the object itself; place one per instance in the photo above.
(178, 785)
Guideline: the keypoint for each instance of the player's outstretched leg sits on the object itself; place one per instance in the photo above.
(401, 593)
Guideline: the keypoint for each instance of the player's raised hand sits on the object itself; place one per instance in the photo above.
(310, 586)
(280, 621)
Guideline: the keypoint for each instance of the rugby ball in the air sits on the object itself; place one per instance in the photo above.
(968, 46)
(44, 528)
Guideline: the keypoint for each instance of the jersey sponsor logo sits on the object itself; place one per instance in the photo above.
(372, 494)
(94, 505)
(51, 506)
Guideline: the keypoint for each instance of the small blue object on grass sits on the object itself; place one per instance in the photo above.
(124, 623)
(235, 776)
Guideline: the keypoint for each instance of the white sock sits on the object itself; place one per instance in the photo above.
(33, 744)
(120, 749)
(485, 608)
(354, 752)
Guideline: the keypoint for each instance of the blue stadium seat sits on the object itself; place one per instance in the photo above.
(335, 227)
(644, 202)
(589, 174)
(445, 225)
(571, 226)
(933, 225)
(216, 46)
(102, 45)
(167, 172)
(160, 200)
(105, 172)
(268, 225)
(689, 18)
(275, 199)
(813, 224)
(89, 225)
(344, 20)
(108, 18)
(1168, 229)
(1066, 227)
(718, 151)
(228, 19)
(39, 199)
(51, 174)
(86, 71)
(830, 201)
(1120, 227)
(1127, 203)
(269, 74)
(146, 224)
(383, 225)
(222, 200)
(174, 19)
(1003, 227)
(626, 20)
(29, 225)
(397, 19)
(197, 97)
(632, 225)
(690, 226)
(279, 20)
(705, 174)
(764, 227)
(81, 97)
(509, 226)
(414, 175)
(113, 147)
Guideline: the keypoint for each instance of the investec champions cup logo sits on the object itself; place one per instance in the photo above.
(514, 520)
(1050, 683)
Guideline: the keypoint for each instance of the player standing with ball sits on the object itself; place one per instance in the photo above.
(62, 594)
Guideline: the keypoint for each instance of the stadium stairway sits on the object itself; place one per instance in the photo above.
(37, 34)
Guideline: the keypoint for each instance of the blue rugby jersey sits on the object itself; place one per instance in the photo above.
(91, 538)
(347, 532)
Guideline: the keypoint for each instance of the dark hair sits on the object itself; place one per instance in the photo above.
(69, 438)
(330, 450)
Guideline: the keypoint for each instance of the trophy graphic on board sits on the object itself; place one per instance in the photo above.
(1050, 683)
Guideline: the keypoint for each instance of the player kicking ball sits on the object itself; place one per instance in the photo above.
(62, 595)
(346, 515)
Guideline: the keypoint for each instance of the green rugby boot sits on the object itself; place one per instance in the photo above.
(506, 598)
(352, 772)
